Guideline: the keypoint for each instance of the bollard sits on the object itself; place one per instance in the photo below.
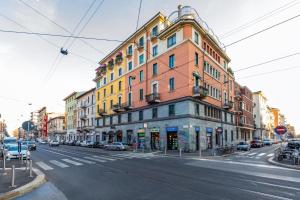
(165, 150)
(180, 152)
(4, 160)
(30, 169)
(13, 177)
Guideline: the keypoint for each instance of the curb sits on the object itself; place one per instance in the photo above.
(271, 161)
(38, 181)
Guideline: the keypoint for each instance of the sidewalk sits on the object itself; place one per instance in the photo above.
(284, 163)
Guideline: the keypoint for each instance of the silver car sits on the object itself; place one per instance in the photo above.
(11, 152)
(243, 146)
(119, 146)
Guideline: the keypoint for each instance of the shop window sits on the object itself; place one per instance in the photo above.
(154, 113)
(141, 115)
(129, 116)
(119, 119)
(172, 110)
(197, 109)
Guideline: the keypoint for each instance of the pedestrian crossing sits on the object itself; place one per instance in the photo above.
(70, 161)
(255, 155)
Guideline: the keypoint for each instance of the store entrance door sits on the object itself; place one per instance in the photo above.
(172, 141)
(197, 140)
(154, 141)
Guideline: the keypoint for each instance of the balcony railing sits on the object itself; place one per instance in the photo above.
(118, 108)
(83, 117)
(238, 96)
(153, 98)
(241, 123)
(128, 54)
(199, 91)
(83, 105)
(153, 35)
(127, 105)
(102, 112)
(228, 105)
(118, 60)
(140, 46)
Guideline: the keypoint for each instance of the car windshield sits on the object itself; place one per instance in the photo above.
(242, 143)
(15, 148)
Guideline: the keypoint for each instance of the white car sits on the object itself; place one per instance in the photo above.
(11, 152)
(243, 146)
(119, 146)
(53, 143)
(84, 143)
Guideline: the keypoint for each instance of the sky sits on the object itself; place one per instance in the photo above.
(32, 70)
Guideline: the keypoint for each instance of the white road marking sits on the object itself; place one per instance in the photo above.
(95, 159)
(122, 156)
(84, 161)
(261, 154)
(251, 154)
(105, 158)
(270, 155)
(72, 162)
(57, 163)
(44, 166)
(264, 194)
(257, 157)
(275, 185)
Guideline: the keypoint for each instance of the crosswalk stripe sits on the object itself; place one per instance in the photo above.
(123, 156)
(84, 161)
(270, 155)
(72, 162)
(57, 163)
(105, 158)
(44, 166)
(261, 154)
(95, 159)
(251, 154)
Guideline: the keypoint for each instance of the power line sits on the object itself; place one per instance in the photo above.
(58, 25)
(256, 33)
(268, 61)
(138, 18)
(59, 35)
(259, 19)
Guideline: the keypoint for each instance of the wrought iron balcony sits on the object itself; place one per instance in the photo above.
(83, 105)
(153, 35)
(128, 54)
(199, 91)
(153, 98)
(118, 108)
(228, 105)
(140, 46)
(102, 112)
(118, 60)
(238, 96)
(127, 105)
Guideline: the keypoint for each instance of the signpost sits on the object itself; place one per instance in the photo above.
(280, 130)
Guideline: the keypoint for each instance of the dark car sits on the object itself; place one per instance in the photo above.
(30, 144)
(256, 144)
(294, 144)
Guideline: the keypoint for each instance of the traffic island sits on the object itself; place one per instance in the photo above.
(284, 163)
(17, 182)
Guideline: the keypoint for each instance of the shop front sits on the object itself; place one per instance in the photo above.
(119, 136)
(141, 138)
(154, 142)
(172, 138)
(197, 137)
(111, 135)
(129, 137)
(209, 132)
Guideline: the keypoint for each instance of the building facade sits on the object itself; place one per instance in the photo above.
(57, 127)
(261, 115)
(172, 88)
(86, 116)
(42, 126)
(244, 113)
(3, 132)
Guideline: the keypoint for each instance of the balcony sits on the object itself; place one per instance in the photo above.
(127, 106)
(111, 64)
(228, 105)
(153, 36)
(118, 60)
(129, 54)
(140, 46)
(118, 108)
(83, 105)
(153, 98)
(102, 112)
(239, 111)
(238, 96)
(241, 123)
(199, 92)
(83, 117)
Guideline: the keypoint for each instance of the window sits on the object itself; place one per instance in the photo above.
(111, 104)
(171, 40)
(237, 134)
(231, 118)
(196, 39)
(98, 84)
(197, 109)
(98, 95)
(129, 65)
(111, 120)
(111, 89)
(129, 51)
(141, 59)
(154, 51)
(154, 113)
(129, 117)
(231, 136)
(104, 80)
(104, 121)
(111, 76)
(141, 76)
(155, 31)
(119, 119)
(171, 84)
(196, 59)
(141, 115)
(225, 135)
(119, 100)
(120, 85)
(154, 69)
(129, 99)
(141, 41)
(172, 110)
(225, 116)
(104, 92)
(141, 94)
(120, 71)
(104, 106)
(171, 61)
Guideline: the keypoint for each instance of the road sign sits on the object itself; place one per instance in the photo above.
(219, 130)
(280, 130)
(28, 126)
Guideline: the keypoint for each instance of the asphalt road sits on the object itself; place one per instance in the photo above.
(83, 173)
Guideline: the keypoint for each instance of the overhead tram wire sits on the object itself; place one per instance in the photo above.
(44, 39)
(259, 19)
(263, 30)
(138, 18)
(60, 26)
(82, 28)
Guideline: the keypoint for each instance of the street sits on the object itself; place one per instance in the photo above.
(84, 173)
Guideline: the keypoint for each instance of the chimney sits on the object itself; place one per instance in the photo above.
(179, 11)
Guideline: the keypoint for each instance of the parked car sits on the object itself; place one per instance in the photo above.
(294, 144)
(256, 144)
(30, 144)
(243, 146)
(77, 143)
(53, 143)
(91, 144)
(267, 142)
(119, 146)
(12, 152)
(43, 142)
(84, 143)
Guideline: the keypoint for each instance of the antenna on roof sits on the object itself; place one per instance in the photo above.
(64, 52)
